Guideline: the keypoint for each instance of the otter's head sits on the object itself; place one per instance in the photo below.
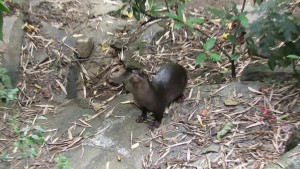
(137, 77)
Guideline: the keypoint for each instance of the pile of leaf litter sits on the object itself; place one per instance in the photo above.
(248, 132)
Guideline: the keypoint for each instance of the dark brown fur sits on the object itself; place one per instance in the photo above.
(156, 95)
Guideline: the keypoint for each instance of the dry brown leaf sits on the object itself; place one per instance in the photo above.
(205, 112)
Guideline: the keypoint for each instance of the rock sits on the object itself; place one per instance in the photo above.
(261, 72)
(84, 47)
(118, 75)
(293, 141)
(13, 38)
(101, 8)
(289, 160)
(211, 148)
(72, 81)
(40, 55)
(50, 31)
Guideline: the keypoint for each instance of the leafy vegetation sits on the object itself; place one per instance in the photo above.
(274, 33)
(156, 10)
(6, 92)
(62, 162)
(28, 137)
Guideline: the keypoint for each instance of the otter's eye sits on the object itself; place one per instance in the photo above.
(135, 71)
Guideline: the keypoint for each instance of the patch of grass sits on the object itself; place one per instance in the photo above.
(62, 162)
(29, 137)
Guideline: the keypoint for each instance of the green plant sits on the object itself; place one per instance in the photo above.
(62, 162)
(6, 92)
(28, 137)
(3, 8)
(154, 10)
(276, 33)
(4, 156)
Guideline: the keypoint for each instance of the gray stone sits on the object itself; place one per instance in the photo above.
(105, 146)
(103, 7)
(40, 55)
(118, 75)
(13, 38)
(293, 141)
(84, 47)
(261, 72)
(213, 148)
(58, 35)
(289, 160)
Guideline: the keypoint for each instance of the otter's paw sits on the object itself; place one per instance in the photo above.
(154, 125)
(141, 119)
(179, 99)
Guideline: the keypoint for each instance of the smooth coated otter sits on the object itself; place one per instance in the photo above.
(156, 95)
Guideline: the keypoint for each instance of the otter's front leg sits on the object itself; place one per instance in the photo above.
(143, 116)
(157, 120)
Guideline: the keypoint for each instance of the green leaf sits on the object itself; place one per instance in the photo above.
(244, 20)
(6, 81)
(216, 12)
(209, 44)
(3, 8)
(36, 137)
(3, 71)
(153, 11)
(195, 20)
(235, 56)
(1, 26)
(226, 129)
(293, 56)
(178, 25)
(173, 16)
(232, 38)
(150, 2)
(136, 13)
(25, 129)
(214, 56)
(180, 11)
(39, 128)
(200, 58)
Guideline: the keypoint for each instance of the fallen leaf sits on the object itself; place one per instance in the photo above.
(129, 14)
(37, 86)
(105, 47)
(230, 102)
(224, 36)
(135, 146)
(110, 112)
(255, 91)
(205, 112)
(226, 129)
